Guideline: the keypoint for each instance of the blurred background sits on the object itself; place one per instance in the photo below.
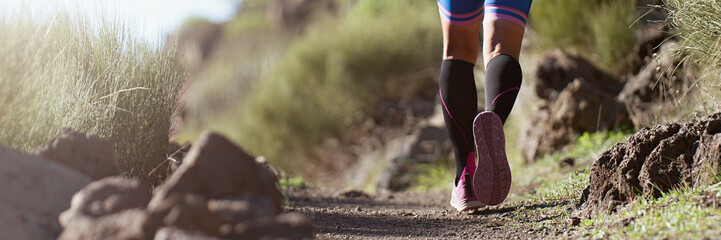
(340, 93)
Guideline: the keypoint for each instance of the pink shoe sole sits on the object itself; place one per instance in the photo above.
(492, 179)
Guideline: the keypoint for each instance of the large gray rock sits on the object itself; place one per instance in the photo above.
(286, 226)
(174, 233)
(104, 197)
(128, 224)
(217, 168)
(88, 154)
(34, 191)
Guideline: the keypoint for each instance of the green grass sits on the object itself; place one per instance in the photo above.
(96, 78)
(679, 214)
(545, 172)
(338, 69)
(602, 30)
(433, 177)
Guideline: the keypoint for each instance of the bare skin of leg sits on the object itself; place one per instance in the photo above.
(501, 37)
(461, 41)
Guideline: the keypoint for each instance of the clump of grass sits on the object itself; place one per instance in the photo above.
(697, 25)
(432, 177)
(680, 213)
(96, 78)
(605, 27)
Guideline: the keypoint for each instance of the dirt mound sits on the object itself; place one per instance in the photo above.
(655, 160)
(582, 98)
(218, 191)
(579, 98)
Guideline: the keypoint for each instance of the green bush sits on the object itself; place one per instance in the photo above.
(95, 78)
(336, 70)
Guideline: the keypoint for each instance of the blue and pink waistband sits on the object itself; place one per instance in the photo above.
(459, 12)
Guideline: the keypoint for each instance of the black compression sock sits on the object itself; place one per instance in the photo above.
(503, 81)
(460, 104)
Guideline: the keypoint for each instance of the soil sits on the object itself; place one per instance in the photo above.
(653, 161)
(428, 215)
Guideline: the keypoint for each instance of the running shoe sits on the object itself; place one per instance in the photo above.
(492, 178)
(462, 197)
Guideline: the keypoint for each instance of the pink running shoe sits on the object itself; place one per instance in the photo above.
(462, 196)
(492, 179)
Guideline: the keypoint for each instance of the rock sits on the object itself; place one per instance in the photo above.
(429, 144)
(128, 224)
(567, 162)
(424, 145)
(264, 162)
(579, 107)
(237, 210)
(104, 197)
(34, 192)
(88, 154)
(217, 168)
(647, 40)
(352, 194)
(643, 92)
(575, 221)
(396, 176)
(286, 226)
(174, 233)
(176, 154)
(652, 161)
(707, 161)
(580, 98)
(557, 69)
(190, 212)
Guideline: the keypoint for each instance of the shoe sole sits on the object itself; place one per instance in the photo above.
(492, 179)
(468, 206)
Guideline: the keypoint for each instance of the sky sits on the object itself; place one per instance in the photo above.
(149, 19)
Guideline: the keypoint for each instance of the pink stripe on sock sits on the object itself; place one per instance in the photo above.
(454, 120)
(499, 95)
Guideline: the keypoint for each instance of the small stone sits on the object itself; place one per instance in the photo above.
(567, 162)
(353, 194)
(575, 221)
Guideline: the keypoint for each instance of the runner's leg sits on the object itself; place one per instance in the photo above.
(461, 21)
(503, 29)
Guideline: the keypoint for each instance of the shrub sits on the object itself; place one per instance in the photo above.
(96, 78)
(336, 70)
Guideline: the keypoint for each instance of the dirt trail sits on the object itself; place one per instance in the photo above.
(422, 216)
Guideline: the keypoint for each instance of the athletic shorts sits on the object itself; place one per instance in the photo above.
(459, 12)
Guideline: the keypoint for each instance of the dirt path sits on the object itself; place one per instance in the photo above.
(423, 216)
